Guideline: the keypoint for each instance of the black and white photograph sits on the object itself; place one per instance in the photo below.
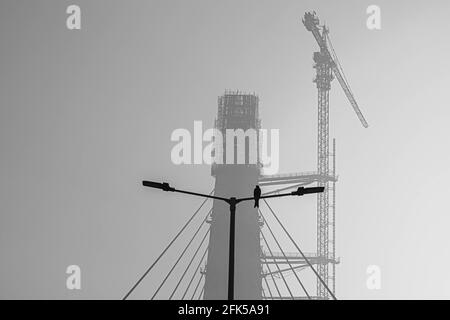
(272, 152)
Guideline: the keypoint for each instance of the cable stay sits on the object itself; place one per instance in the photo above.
(273, 279)
(284, 255)
(268, 288)
(195, 273)
(165, 249)
(300, 251)
(190, 262)
(278, 267)
(181, 255)
(275, 273)
(198, 283)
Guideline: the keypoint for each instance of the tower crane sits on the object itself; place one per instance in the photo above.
(327, 67)
(311, 23)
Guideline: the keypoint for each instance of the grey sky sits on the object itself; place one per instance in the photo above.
(85, 115)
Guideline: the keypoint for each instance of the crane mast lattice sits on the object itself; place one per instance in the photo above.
(327, 68)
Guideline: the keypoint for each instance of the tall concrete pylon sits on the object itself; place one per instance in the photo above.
(235, 111)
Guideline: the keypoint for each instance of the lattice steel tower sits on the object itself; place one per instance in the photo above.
(323, 80)
(326, 65)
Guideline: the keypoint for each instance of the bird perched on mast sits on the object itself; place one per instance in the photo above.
(257, 195)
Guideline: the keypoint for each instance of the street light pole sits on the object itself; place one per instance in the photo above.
(232, 202)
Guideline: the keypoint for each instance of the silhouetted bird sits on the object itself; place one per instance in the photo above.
(257, 195)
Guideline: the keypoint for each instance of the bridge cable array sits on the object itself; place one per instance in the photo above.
(188, 222)
(264, 260)
(284, 255)
(299, 250)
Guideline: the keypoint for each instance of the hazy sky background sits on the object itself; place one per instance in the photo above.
(86, 115)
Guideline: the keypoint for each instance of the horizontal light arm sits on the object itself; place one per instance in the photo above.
(299, 192)
(166, 187)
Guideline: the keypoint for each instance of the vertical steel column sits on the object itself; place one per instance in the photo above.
(333, 223)
(323, 80)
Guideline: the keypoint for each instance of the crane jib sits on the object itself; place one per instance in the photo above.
(349, 96)
(311, 23)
